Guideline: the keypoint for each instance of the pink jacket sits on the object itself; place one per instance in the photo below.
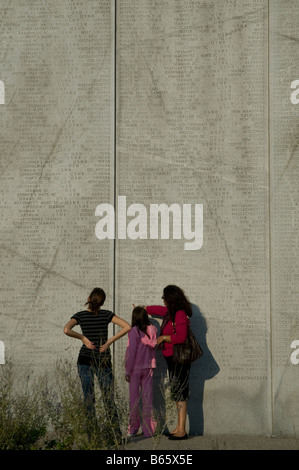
(141, 352)
(181, 327)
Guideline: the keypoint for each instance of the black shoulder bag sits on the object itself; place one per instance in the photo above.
(188, 351)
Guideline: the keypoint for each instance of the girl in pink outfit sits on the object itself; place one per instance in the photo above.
(140, 360)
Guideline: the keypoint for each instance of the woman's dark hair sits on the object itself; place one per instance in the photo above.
(96, 300)
(140, 319)
(176, 299)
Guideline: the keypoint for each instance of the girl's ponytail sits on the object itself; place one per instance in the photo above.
(96, 300)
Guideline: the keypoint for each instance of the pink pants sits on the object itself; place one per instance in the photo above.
(141, 385)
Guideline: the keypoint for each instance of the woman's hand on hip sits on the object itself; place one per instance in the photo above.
(104, 347)
(87, 343)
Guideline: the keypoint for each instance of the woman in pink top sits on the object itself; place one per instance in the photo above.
(176, 313)
(140, 360)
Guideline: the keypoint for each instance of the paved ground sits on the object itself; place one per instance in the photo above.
(213, 443)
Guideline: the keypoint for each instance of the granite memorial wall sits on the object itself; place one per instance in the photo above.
(184, 107)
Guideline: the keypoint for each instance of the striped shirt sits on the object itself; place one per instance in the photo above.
(95, 328)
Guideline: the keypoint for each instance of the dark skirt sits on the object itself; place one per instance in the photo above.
(179, 379)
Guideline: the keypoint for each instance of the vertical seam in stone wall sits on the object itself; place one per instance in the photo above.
(114, 46)
(270, 222)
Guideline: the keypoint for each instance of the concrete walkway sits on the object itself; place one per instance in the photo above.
(226, 442)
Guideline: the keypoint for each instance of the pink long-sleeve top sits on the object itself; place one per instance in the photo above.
(141, 349)
(181, 327)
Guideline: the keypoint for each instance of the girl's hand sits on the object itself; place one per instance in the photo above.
(127, 378)
(88, 343)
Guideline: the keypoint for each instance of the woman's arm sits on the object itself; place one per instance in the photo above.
(163, 338)
(158, 310)
(68, 330)
(181, 328)
(125, 327)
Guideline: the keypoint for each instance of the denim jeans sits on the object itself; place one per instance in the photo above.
(105, 379)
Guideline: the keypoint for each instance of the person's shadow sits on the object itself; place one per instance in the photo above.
(204, 368)
(160, 375)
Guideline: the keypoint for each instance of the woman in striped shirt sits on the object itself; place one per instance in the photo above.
(94, 358)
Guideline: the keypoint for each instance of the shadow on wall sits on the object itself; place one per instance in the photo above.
(202, 369)
(160, 374)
